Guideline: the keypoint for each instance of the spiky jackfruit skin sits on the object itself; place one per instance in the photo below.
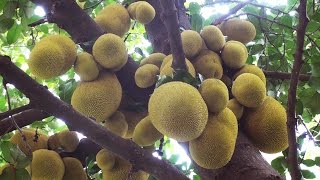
(146, 75)
(144, 13)
(132, 9)
(133, 118)
(114, 19)
(46, 164)
(177, 110)
(46, 63)
(86, 67)
(215, 94)
(248, 68)
(105, 159)
(34, 138)
(98, 99)
(121, 170)
(191, 43)
(110, 51)
(215, 146)
(73, 169)
(117, 124)
(154, 58)
(145, 134)
(213, 38)
(249, 90)
(68, 47)
(66, 140)
(167, 70)
(208, 64)
(165, 61)
(234, 54)
(266, 126)
(236, 108)
(239, 30)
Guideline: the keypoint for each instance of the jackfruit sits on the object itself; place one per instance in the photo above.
(73, 169)
(4, 167)
(35, 139)
(191, 43)
(248, 68)
(226, 80)
(215, 146)
(144, 13)
(234, 54)
(145, 134)
(133, 118)
(98, 99)
(213, 38)
(167, 70)
(208, 64)
(66, 140)
(249, 90)
(110, 51)
(117, 124)
(154, 58)
(266, 126)
(132, 9)
(239, 30)
(121, 171)
(105, 159)
(146, 75)
(165, 61)
(177, 110)
(46, 60)
(215, 94)
(236, 108)
(114, 19)
(46, 164)
(86, 67)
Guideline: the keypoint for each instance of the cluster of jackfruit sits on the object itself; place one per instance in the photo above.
(66, 141)
(231, 91)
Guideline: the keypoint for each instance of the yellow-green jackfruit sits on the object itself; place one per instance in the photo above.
(66, 140)
(191, 43)
(133, 118)
(98, 99)
(208, 64)
(266, 126)
(117, 124)
(239, 30)
(146, 75)
(167, 70)
(234, 54)
(73, 169)
(248, 68)
(236, 108)
(154, 58)
(105, 159)
(145, 134)
(213, 38)
(144, 13)
(86, 67)
(177, 110)
(215, 146)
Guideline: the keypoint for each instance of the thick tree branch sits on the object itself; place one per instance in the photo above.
(15, 111)
(170, 19)
(47, 102)
(284, 76)
(292, 119)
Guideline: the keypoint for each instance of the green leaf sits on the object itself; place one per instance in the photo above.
(2, 4)
(194, 8)
(286, 20)
(174, 158)
(308, 174)
(299, 107)
(309, 162)
(22, 174)
(317, 161)
(314, 82)
(185, 76)
(139, 51)
(6, 24)
(255, 49)
(66, 90)
(6, 147)
(196, 22)
(10, 9)
(8, 173)
(13, 34)
(312, 26)
(277, 164)
(163, 80)
(196, 177)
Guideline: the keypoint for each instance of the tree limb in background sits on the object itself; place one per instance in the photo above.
(170, 19)
(44, 100)
(14, 111)
(284, 76)
(294, 168)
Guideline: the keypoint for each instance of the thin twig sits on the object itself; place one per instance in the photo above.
(15, 111)
(284, 75)
(294, 168)
(38, 22)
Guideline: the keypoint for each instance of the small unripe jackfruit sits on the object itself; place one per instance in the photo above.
(144, 13)
(213, 38)
(110, 51)
(154, 58)
(117, 124)
(266, 126)
(248, 68)
(73, 169)
(86, 67)
(165, 61)
(236, 108)
(98, 99)
(208, 64)
(239, 30)
(105, 159)
(66, 140)
(215, 94)
(145, 134)
(167, 70)
(146, 75)
(249, 90)
(177, 110)
(191, 43)
(46, 164)
(133, 118)
(234, 54)
(215, 146)
(34, 138)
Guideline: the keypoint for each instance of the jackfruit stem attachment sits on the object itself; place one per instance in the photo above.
(170, 19)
